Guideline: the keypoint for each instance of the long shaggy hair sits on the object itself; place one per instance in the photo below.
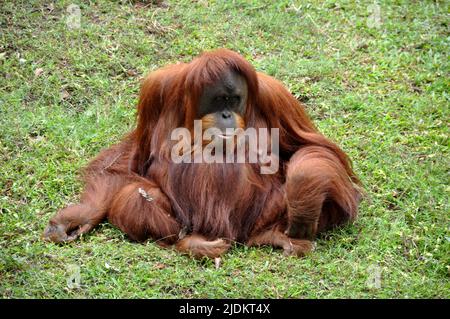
(315, 188)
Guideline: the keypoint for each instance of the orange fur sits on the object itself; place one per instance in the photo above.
(315, 189)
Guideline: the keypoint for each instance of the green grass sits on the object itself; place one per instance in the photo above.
(381, 92)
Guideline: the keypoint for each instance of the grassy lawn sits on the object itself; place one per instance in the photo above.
(375, 81)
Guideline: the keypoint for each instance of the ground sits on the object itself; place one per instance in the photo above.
(373, 76)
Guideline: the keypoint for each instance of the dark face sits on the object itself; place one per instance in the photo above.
(225, 101)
